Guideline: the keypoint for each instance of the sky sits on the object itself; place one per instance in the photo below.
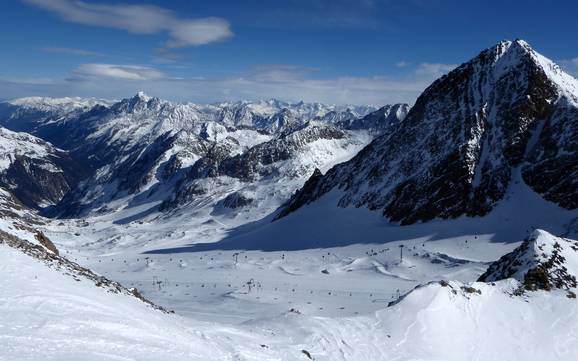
(333, 51)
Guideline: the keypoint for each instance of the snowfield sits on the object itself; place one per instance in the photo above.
(49, 314)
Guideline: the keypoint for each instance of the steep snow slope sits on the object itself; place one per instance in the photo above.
(455, 152)
(322, 224)
(50, 312)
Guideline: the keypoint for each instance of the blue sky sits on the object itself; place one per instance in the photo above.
(335, 51)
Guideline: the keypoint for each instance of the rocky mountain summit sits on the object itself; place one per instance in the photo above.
(507, 110)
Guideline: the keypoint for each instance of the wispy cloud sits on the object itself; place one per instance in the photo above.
(71, 51)
(283, 81)
(114, 71)
(433, 70)
(141, 19)
(279, 73)
(570, 66)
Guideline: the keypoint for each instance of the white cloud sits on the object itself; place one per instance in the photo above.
(402, 64)
(71, 51)
(434, 70)
(140, 19)
(114, 71)
(286, 82)
(198, 32)
(570, 66)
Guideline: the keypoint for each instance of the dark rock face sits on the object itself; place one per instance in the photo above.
(173, 165)
(382, 119)
(209, 165)
(33, 183)
(456, 151)
(34, 172)
(135, 171)
(552, 169)
(236, 200)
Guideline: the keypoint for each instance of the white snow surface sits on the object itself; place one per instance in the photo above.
(46, 314)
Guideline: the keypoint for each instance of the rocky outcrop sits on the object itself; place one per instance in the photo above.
(541, 262)
(236, 200)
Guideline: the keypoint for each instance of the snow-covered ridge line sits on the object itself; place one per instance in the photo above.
(261, 107)
(67, 103)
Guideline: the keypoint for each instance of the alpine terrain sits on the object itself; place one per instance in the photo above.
(143, 228)
(508, 110)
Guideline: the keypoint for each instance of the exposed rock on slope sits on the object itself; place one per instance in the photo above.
(382, 119)
(458, 147)
(541, 262)
(46, 253)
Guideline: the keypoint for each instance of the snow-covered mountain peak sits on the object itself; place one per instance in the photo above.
(511, 55)
(138, 103)
(458, 149)
(142, 95)
(517, 47)
(542, 261)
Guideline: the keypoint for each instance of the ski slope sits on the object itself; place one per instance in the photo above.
(49, 314)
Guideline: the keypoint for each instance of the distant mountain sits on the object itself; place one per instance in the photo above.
(507, 110)
(380, 120)
(156, 151)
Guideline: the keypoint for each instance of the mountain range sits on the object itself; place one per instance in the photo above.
(443, 230)
(141, 146)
